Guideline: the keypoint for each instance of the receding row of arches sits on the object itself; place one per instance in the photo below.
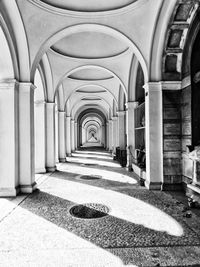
(141, 96)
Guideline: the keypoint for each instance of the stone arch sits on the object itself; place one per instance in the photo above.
(17, 40)
(94, 67)
(91, 27)
(92, 84)
(81, 114)
(9, 66)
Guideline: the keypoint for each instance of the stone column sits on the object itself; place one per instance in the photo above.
(68, 136)
(76, 135)
(121, 129)
(9, 118)
(84, 138)
(40, 147)
(114, 133)
(61, 137)
(130, 118)
(72, 136)
(50, 137)
(107, 135)
(110, 136)
(26, 138)
(154, 135)
(56, 134)
(103, 135)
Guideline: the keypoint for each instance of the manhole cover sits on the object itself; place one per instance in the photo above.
(89, 211)
(90, 177)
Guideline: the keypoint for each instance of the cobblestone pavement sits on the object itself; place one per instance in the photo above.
(142, 228)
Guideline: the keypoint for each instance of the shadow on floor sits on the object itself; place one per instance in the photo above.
(107, 232)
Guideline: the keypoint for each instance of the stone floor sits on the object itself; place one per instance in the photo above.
(142, 228)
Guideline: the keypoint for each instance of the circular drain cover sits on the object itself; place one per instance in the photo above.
(89, 211)
(90, 177)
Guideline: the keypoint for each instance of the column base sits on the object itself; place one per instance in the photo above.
(51, 169)
(9, 192)
(40, 170)
(153, 185)
(27, 189)
(62, 160)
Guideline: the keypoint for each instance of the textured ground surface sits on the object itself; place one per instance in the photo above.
(142, 228)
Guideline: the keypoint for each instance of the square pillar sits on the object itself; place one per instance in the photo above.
(154, 135)
(26, 138)
(50, 138)
(114, 133)
(121, 128)
(103, 136)
(130, 125)
(61, 136)
(107, 135)
(68, 136)
(76, 135)
(110, 135)
(72, 135)
(9, 118)
(40, 146)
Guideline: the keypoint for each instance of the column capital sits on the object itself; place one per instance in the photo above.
(114, 118)
(163, 85)
(26, 86)
(8, 84)
(121, 113)
(50, 103)
(132, 104)
(61, 111)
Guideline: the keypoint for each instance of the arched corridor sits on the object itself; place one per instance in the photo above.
(99, 104)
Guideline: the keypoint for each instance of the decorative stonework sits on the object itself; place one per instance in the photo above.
(176, 37)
